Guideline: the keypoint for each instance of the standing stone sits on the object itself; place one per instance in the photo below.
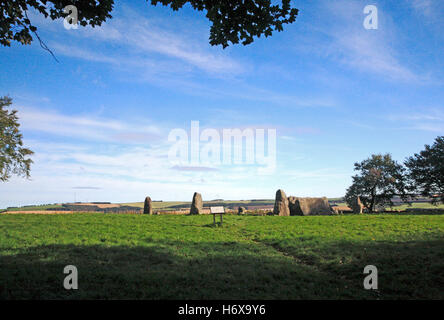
(309, 206)
(197, 204)
(357, 205)
(292, 206)
(241, 210)
(281, 204)
(148, 206)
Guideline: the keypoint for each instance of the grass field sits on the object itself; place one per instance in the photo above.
(249, 257)
(419, 205)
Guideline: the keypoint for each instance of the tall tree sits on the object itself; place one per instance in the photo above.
(380, 178)
(232, 20)
(426, 170)
(13, 156)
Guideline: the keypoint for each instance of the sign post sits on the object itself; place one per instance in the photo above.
(217, 210)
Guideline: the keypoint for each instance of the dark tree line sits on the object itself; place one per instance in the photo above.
(380, 178)
(426, 170)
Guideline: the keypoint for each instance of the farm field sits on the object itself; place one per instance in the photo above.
(178, 205)
(34, 208)
(172, 205)
(164, 205)
(250, 257)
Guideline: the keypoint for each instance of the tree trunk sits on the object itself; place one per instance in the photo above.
(372, 202)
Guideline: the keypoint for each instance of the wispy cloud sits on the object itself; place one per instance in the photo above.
(435, 115)
(195, 168)
(371, 54)
(342, 38)
(324, 173)
(431, 119)
(163, 57)
(438, 128)
(87, 127)
(424, 7)
(147, 43)
(86, 188)
(85, 54)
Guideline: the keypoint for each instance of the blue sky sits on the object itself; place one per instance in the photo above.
(335, 92)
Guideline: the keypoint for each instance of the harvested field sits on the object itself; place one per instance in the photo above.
(39, 212)
(92, 204)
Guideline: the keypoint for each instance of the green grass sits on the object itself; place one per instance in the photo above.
(249, 257)
(419, 205)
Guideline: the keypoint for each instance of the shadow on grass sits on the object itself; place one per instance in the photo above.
(428, 211)
(406, 212)
(226, 270)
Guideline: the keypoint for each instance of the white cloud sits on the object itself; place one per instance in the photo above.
(430, 119)
(324, 174)
(149, 38)
(144, 41)
(341, 37)
(76, 52)
(371, 53)
(117, 175)
(438, 128)
(148, 51)
(118, 172)
(87, 127)
(430, 115)
(424, 7)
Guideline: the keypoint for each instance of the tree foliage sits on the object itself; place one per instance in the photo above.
(16, 26)
(13, 156)
(379, 179)
(232, 21)
(426, 170)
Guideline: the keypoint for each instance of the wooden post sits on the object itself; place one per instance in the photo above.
(217, 210)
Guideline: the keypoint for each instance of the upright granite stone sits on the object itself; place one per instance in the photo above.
(292, 206)
(197, 204)
(281, 204)
(148, 206)
(309, 206)
(357, 205)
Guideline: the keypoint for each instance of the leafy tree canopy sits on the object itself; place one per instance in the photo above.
(232, 21)
(13, 157)
(379, 179)
(426, 170)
